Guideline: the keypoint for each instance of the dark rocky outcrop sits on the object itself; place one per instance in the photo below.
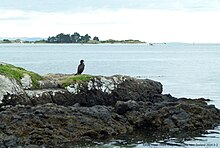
(97, 108)
(54, 125)
(99, 90)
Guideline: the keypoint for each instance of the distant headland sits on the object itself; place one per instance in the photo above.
(70, 38)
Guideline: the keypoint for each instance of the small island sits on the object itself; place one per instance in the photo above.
(62, 109)
(75, 38)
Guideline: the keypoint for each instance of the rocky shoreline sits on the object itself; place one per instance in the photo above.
(97, 107)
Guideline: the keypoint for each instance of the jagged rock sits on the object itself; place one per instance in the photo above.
(26, 82)
(184, 116)
(122, 107)
(9, 87)
(97, 107)
(52, 80)
(54, 125)
(99, 90)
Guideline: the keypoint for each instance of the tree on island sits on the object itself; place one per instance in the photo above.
(67, 38)
(96, 38)
(6, 41)
(77, 38)
(85, 39)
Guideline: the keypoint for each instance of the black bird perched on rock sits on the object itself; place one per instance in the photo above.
(80, 67)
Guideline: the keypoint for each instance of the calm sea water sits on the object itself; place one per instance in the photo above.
(185, 70)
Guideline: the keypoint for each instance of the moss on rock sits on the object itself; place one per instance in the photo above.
(76, 78)
(18, 73)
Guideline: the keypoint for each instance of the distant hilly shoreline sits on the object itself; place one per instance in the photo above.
(33, 39)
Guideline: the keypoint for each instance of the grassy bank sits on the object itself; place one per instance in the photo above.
(18, 73)
(76, 78)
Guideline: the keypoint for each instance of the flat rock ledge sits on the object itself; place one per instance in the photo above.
(97, 108)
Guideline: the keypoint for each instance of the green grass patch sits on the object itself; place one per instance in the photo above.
(17, 73)
(75, 79)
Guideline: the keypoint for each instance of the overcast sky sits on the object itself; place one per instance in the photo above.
(146, 20)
